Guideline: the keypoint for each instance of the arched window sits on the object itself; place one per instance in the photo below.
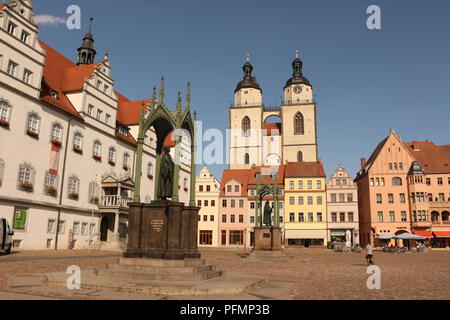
(26, 177)
(246, 127)
(33, 124)
(396, 181)
(56, 134)
(300, 156)
(126, 160)
(299, 124)
(78, 142)
(97, 151)
(73, 189)
(5, 112)
(112, 155)
(2, 170)
(247, 158)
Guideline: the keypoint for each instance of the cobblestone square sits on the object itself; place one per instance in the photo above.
(313, 273)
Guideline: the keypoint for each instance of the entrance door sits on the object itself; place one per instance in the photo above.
(104, 229)
(252, 239)
(307, 243)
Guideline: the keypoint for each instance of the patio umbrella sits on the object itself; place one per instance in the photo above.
(409, 236)
(386, 236)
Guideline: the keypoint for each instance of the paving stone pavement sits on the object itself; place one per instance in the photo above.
(310, 275)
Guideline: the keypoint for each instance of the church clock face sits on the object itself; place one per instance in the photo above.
(298, 89)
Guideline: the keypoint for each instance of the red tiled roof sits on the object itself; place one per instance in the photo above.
(433, 158)
(265, 174)
(53, 79)
(63, 76)
(169, 141)
(129, 138)
(239, 175)
(128, 112)
(304, 169)
(272, 129)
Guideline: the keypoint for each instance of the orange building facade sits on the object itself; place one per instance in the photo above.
(405, 187)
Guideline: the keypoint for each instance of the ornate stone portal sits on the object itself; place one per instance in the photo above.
(267, 233)
(164, 229)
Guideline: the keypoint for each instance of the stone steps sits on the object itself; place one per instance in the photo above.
(160, 276)
(152, 269)
(163, 263)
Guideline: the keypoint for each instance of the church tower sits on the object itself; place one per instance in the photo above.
(299, 117)
(246, 122)
(86, 53)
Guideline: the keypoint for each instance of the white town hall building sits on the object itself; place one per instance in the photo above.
(67, 142)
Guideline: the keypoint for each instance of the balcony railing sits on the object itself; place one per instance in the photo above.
(441, 223)
(115, 201)
(439, 204)
(422, 224)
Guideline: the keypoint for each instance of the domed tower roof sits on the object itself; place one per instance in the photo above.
(249, 81)
(86, 53)
(297, 75)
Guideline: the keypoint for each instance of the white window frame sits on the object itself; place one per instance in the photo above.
(12, 26)
(90, 110)
(28, 76)
(25, 35)
(13, 71)
(78, 140)
(26, 174)
(112, 154)
(33, 126)
(5, 110)
(53, 229)
(56, 133)
(97, 149)
(73, 186)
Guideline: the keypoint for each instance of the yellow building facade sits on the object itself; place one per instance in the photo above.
(305, 214)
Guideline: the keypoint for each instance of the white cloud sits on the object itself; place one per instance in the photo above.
(48, 20)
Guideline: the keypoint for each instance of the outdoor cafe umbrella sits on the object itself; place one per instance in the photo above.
(387, 236)
(409, 236)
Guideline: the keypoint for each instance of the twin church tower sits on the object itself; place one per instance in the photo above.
(256, 140)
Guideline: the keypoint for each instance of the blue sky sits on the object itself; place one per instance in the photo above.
(365, 81)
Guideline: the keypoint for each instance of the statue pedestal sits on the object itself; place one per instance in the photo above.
(267, 239)
(162, 230)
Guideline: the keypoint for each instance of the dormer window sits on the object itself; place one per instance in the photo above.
(11, 28)
(123, 131)
(53, 94)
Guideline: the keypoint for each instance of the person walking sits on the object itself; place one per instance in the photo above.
(369, 255)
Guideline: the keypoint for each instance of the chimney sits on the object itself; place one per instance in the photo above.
(363, 162)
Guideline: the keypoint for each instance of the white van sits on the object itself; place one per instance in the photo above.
(6, 234)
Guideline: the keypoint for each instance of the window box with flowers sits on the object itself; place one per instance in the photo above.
(97, 157)
(51, 191)
(4, 123)
(32, 134)
(150, 176)
(125, 167)
(26, 186)
(74, 196)
(111, 162)
(56, 142)
(78, 150)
